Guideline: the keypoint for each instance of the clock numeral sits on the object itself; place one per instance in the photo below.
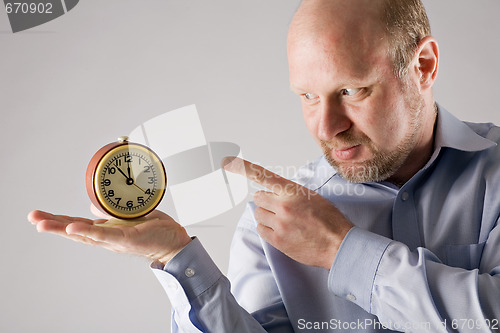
(148, 191)
(111, 193)
(140, 200)
(128, 158)
(152, 180)
(147, 168)
(111, 170)
(118, 162)
(118, 200)
(106, 182)
(130, 204)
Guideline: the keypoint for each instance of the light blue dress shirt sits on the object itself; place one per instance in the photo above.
(421, 258)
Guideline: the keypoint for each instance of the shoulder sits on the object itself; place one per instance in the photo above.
(488, 131)
(488, 160)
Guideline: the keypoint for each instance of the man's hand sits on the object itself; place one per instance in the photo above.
(297, 221)
(159, 238)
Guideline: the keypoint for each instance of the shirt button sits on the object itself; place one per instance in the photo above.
(405, 196)
(351, 297)
(173, 286)
(189, 272)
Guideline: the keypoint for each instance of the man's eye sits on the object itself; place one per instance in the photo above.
(310, 96)
(350, 91)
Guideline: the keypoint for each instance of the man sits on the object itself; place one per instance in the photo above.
(395, 228)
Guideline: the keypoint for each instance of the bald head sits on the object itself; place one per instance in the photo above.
(350, 27)
(363, 24)
(320, 16)
(341, 30)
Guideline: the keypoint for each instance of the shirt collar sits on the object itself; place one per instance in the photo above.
(453, 133)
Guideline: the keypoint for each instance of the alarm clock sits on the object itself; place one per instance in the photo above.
(125, 180)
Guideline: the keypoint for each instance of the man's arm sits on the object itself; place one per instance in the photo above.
(385, 278)
(160, 238)
(200, 295)
(198, 291)
(414, 288)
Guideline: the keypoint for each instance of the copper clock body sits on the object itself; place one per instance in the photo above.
(125, 180)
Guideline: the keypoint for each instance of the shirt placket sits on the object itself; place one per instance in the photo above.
(404, 219)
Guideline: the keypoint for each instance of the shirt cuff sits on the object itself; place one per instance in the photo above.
(192, 268)
(355, 266)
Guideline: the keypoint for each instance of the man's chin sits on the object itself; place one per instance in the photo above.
(359, 171)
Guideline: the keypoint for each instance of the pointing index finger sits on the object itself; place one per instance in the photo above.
(258, 174)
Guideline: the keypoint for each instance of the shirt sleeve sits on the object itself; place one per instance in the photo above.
(200, 295)
(202, 298)
(413, 290)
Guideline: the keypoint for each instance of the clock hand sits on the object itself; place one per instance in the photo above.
(139, 188)
(130, 180)
(123, 173)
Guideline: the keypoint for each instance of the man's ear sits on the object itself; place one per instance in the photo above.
(427, 62)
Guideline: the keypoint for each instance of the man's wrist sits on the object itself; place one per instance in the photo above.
(337, 242)
(167, 257)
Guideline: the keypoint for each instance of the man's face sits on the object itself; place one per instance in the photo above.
(366, 120)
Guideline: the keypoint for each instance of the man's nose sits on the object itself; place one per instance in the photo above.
(333, 120)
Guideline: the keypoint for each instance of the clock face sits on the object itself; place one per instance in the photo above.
(129, 181)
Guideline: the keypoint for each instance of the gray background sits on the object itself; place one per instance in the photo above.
(78, 82)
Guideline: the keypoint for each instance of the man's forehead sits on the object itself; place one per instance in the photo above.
(344, 63)
(355, 24)
(341, 10)
(326, 48)
(348, 19)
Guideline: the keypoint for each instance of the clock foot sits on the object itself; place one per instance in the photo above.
(131, 223)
